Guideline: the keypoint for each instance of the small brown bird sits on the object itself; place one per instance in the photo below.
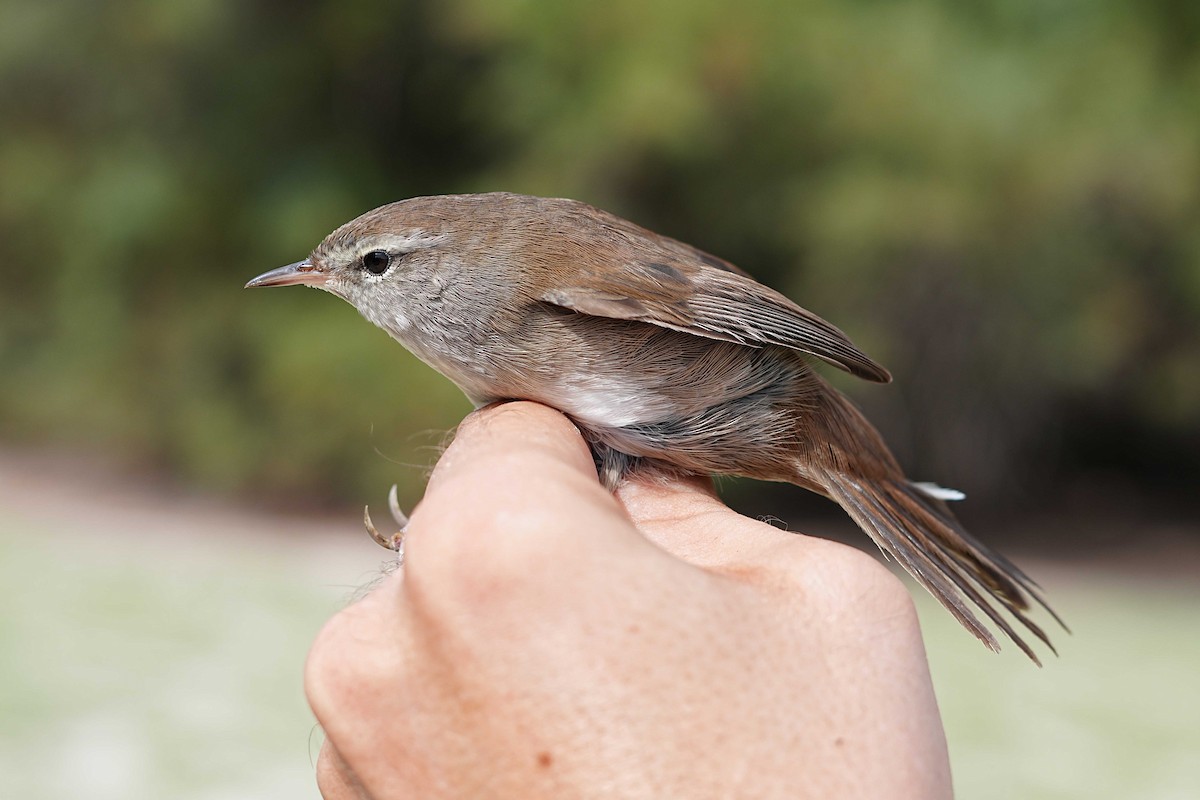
(666, 357)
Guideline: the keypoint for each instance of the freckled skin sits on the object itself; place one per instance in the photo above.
(668, 358)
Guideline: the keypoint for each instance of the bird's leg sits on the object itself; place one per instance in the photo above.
(611, 465)
(396, 540)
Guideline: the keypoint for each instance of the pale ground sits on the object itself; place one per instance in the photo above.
(152, 647)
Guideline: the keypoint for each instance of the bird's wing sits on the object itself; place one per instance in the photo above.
(706, 298)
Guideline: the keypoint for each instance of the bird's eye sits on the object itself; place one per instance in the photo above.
(376, 262)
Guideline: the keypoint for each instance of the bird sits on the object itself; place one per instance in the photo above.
(670, 360)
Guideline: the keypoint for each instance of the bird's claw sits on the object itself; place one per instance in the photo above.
(394, 506)
(396, 540)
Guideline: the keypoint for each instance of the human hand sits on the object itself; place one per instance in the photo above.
(547, 640)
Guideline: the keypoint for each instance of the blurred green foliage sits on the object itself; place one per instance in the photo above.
(1000, 200)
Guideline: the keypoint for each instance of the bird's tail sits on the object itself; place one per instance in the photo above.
(912, 525)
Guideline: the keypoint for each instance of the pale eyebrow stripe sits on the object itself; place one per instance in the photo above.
(403, 242)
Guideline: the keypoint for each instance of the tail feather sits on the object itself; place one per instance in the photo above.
(921, 533)
(996, 566)
(973, 565)
(918, 564)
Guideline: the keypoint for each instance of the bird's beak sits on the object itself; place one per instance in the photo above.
(302, 272)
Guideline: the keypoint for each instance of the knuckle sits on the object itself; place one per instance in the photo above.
(867, 592)
(323, 667)
(352, 653)
(861, 572)
(844, 581)
(334, 779)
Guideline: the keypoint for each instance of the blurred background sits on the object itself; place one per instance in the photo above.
(1000, 201)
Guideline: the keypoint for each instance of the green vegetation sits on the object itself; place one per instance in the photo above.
(1000, 200)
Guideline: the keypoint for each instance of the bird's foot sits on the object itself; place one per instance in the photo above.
(396, 540)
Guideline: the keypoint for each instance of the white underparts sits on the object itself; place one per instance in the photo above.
(611, 403)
